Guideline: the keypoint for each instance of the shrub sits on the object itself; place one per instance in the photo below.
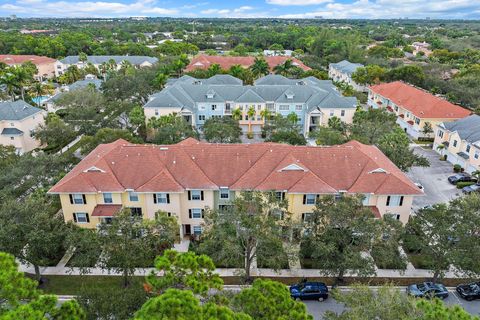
(461, 185)
(457, 168)
(250, 135)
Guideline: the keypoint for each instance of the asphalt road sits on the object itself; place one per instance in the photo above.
(433, 179)
(318, 309)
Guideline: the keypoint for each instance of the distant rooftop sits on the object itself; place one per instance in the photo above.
(135, 60)
(16, 110)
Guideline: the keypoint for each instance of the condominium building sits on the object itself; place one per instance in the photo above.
(138, 61)
(186, 178)
(18, 122)
(414, 107)
(45, 65)
(313, 101)
(461, 142)
(342, 72)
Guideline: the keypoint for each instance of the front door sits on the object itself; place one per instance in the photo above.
(187, 229)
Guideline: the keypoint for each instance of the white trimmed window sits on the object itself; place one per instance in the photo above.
(197, 230)
(133, 196)
(201, 117)
(299, 107)
(78, 198)
(196, 194)
(284, 107)
(196, 213)
(366, 199)
(161, 198)
(332, 113)
(440, 133)
(107, 197)
(310, 198)
(306, 217)
(454, 143)
(394, 215)
(394, 201)
(342, 113)
(224, 193)
(81, 217)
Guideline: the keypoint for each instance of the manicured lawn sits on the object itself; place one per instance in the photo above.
(71, 285)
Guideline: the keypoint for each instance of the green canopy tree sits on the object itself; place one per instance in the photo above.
(185, 271)
(55, 132)
(106, 135)
(269, 300)
(281, 129)
(20, 298)
(259, 221)
(325, 136)
(171, 129)
(371, 125)
(371, 74)
(222, 130)
(339, 230)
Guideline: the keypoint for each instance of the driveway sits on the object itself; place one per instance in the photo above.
(433, 179)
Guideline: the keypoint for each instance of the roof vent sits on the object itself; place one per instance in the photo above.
(163, 148)
(379, 170)
(93, 169)
(293, 167)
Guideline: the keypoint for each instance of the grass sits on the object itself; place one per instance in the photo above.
(419, 260)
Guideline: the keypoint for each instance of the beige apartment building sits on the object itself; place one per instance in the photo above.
(45, 65)
(18, 122)
(186, 178)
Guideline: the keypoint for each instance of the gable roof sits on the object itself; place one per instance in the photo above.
(226, 62)
(422, 104)
(197, 165)
(345, 66)
(135, 60)
(467, 128)
(17, 110)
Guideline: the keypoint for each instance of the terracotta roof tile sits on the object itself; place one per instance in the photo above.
(12, 59)
(226, 62)
(419, 102)
(265, 166)
(106, 210)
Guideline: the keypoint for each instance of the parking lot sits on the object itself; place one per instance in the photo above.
(317, 309)
(433, 179)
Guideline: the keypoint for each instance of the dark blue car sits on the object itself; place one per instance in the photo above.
(309, 291)
(428, 290)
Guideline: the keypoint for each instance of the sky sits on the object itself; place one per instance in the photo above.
(330, 9)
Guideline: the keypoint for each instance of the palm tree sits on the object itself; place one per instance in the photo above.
(336, 123)
(259, 67)
(237, 114)
(236, 71)
(251, 114)
(9, 81)
(214, 69)
(284, 69)
(265, 114)
(39, 90)
(293, 117)
(440, 149)
(160, 80)
(22, 79)
(82, 56)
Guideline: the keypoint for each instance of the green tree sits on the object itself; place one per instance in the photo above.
(427, 128)
(396, 146)
(371, 125)
(281, 129)
(129, 242)
(8, 156)
(55, 132)
(171, 129)
(412, 74)
(269, 300)
(160, 81)
(137, 117)
(325, 136)
(21, 300)
(213, 70)
(237, 114)
(259, 67)
(181, 304)
(338, 232)
(236, 71)
(385, 249)
(251, 116)
(256, 219)
(371, 74)
(185, 271)
(222, 130)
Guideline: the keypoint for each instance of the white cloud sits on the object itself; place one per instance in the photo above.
(297, 2)
(240, 12)
(388, 9)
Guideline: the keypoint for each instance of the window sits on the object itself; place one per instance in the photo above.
(270, 106)
(280, 195)
(12, 138)
(299, 107)
(214, 107)
(440, 133)
(136, 212)
(259, 107)
(396, 108)
(277, 214)
(224, 193)
(77, 198)
(197, 230)
(107, 198)
(284, 107)
(156, 112)
(201, 117)
(454, 143)
(467, 149)
(394, 201)
(195, 195)
(394, 215)
(133, 196)
(12, 124)
(342, 113)
(161, 198)
(417, 121)
(309, 198)
(32, 133)
(201, 108)
(476, 155)
(81, 217)
(306, 217)
(195, 213)
(366, 199)
(332, 113)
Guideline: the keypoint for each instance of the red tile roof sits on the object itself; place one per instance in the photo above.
(352, 167)
(375, 211)
(225, 62)
(12, 59)
(422, 104)
(106, 210)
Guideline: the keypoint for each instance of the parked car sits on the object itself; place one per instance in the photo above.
(472, 188)
(461, 177)
(309, 291)
(427, 290)
(469, 291)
